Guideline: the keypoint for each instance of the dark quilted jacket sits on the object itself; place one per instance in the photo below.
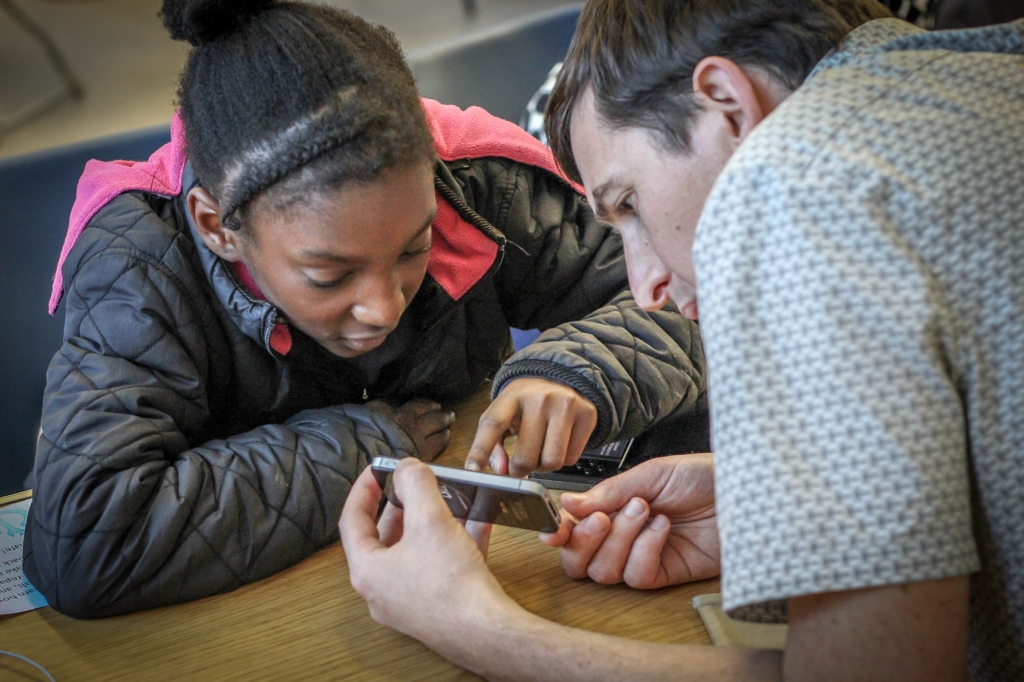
(181, 457)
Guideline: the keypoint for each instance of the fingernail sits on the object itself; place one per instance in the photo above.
(634, 509)
(659, 523)
(591, 524)
(471, 466)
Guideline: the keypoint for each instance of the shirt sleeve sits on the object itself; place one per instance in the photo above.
(839, 432)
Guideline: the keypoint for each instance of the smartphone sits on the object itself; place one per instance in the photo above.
(593, 467)
(482, 497)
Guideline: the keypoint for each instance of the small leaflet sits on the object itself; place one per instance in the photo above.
(16, 592)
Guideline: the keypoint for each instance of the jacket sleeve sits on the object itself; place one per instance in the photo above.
(128, 514)
(569, 277)
(637, 368)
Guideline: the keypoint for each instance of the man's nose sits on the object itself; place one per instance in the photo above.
(381, 301)
(648, 277)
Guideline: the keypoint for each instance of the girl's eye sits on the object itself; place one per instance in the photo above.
(317, 284)
(417, 252)
(626, 205)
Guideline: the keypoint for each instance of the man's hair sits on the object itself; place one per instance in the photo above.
(286, 99)
(638, 57)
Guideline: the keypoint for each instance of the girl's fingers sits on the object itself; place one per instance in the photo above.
(436, 421)
(494, 423)
(420, 406)
(556, 442)
(529, 442)
(581, 431)
(499, 460)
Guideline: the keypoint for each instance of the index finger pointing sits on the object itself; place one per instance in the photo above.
(494, 424)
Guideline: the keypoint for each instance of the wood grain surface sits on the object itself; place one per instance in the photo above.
(307, 623)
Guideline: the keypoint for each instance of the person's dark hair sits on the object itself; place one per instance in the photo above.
(283, 99)
(638, 56)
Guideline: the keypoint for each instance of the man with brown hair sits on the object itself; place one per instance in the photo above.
(843, 196)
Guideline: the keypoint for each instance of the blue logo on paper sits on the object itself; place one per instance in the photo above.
(13, 521)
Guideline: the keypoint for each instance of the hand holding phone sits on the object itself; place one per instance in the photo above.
(487, 498)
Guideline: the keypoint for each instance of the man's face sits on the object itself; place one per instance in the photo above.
(652, 196)
(344, 266)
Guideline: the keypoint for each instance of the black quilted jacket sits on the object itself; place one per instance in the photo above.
(181, 457)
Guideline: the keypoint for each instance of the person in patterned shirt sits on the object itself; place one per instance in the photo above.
(842, 195)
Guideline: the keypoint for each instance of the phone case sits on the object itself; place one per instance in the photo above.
(487, 498)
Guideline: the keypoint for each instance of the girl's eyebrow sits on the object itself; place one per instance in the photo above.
(339, 258)
(426, 226)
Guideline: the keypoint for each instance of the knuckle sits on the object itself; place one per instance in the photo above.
(376, 613)
(359, 583)
(571, 566)
(488, 420)
(603, 574)
(636, 580)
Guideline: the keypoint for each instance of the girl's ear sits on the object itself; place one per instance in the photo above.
(205, 213)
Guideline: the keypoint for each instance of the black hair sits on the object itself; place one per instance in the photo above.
(638, 56)
(281, 99)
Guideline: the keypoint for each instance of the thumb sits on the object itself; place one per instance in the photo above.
(416, 486)
(612, 494)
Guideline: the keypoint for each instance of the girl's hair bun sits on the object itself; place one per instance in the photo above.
(201, 21)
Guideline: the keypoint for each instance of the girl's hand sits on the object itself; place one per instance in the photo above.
(552, 424)
(651, 526)
(425, 422)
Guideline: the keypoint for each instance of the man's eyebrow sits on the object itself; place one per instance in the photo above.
(340, 258)
(599, 192)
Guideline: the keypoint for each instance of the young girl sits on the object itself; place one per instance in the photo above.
(313, 239)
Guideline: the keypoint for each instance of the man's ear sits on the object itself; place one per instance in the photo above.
(205, 213)
(721, 86)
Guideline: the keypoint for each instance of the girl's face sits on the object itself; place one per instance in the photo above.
(344, 266)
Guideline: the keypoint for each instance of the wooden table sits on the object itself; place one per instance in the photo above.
(308, 624)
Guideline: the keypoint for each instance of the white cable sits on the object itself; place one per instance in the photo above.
(30, 662)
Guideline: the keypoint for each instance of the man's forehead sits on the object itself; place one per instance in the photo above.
(592, 143)
(585, 124)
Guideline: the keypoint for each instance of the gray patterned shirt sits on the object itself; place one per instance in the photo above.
(861, 281)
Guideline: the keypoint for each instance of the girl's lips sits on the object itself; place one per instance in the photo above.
(365, 343)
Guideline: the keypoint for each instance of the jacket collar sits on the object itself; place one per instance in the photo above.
(257, 318)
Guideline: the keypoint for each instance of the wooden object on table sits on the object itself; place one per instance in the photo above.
(307, 623)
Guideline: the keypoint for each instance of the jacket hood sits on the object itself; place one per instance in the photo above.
(461, 254)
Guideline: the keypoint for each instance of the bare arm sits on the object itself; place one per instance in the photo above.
(914, 631)
(448, 599)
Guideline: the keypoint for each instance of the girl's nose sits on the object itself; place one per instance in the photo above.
(381, 302)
